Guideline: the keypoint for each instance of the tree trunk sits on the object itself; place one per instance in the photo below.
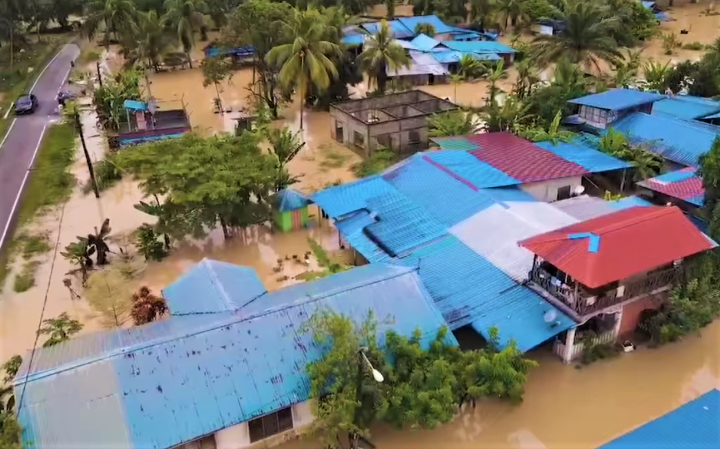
(301, 89)
(87, 157)
(219, 101)
(167, 241)
(382, 79)
(187, 53)
(12, 48)
(226, 231)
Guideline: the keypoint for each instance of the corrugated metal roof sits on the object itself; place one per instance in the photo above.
(479, 47)
(353, 39)
(522, 159)
(585, 207)
(212, 287)
(421, 64)
(346, 198)
(464, 164)
(399, 30)
(289, 199)
(407, 45)
(495, 232)
(158, 394)
(424, 42)
(412, 22)
(351, 229)
(695, 425)
(630, 241)
(590, 159)
(618, 99)
(683, 184)
(687, 108)
(681, 141)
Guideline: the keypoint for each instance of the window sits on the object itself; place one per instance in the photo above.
(269, 425)
(563, 193)
(339, 132)
(414, 137)
(359, 140)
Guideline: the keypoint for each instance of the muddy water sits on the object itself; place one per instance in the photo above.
(568, 408)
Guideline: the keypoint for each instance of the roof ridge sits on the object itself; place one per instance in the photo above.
(215, 281)
(233, 319)
(653, 212)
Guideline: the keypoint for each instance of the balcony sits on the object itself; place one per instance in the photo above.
(582, 301)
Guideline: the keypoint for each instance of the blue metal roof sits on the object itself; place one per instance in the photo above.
(353, 39)
(695, 425)
(590, 159)
(135, 105)
(681, 141)
(213, 51)
(479, 47)
(212, 287)
(424, 42)
(400, 30)
(628, 202)
(618, 99)
(162, 391)
(412, 22)
(464, 164)
(686, 107)
(289, 199)
(346, 198)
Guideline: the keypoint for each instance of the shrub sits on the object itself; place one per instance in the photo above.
(107, 175)
(380, 160)
(697, 46)
(148, 243)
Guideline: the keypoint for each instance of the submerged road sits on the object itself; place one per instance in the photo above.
(22, 141)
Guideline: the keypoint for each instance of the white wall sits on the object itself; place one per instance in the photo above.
(238, 436)
(547, 190)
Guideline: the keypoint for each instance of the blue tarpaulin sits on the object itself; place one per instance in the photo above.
(135, 105)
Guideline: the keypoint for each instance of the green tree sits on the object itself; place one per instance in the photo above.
(305, 59)
(554, 134)
(109, 99)
(11, 368)
(146, 240)
(656, 75)
(425, 28)
(494, 76)
(215, 71)
(11, 14)
(116, 16)
(390, 7)
(78, 253)
(586, 39)
(149, 43)
(709, 171)
(528, 77)
(453, 123)
(512, 115)
(482, 12)
(470, 68)
(380, 54)
(185, 17)
(512, 12)
(59, 329)
(10, 431)
(222, 179)
(259, 23)
(645, 163)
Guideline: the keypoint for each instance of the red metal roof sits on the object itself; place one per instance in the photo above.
(627, 242)
(521, 159)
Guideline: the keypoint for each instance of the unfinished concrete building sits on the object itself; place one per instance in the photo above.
(396, 121)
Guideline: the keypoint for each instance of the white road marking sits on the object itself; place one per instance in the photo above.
(9, 109)
(22, 186)
(7, 133)
(46, 67)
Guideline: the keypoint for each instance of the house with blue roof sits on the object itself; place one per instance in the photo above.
(694, 425)
(458, 214)
(600, 110)
(226, 369)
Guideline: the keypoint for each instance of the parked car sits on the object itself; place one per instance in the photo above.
(26, 104)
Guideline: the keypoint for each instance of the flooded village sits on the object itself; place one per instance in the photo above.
(445, 200)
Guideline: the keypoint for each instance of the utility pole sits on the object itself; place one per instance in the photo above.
(97, 64)
(78, 125)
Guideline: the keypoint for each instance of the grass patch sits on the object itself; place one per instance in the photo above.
(89, 54)
(333, 159)
(26, 279)
(30, 245)
(381, 159)
(697, 46)
(50, 181)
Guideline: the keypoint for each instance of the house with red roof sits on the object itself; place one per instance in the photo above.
(605, 271)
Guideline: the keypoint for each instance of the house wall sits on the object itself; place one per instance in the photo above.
(443, 37)
(238, 436)
(350, 126)
(631, 314)
(547, 191)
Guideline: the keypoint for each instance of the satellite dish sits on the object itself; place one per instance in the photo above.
(550, 316)
(579, 190)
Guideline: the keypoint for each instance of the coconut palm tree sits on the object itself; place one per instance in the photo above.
(10, 17)
(425, 28)
(528, 77)
(481, 11)
(380, 54)
(511, 12)
(656, 75)
(185, 16)
(305, 58)
(115, 15)
(469, 67)
(585, 41)
(494, 76)
(152, 39)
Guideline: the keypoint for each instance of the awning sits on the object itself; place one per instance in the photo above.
(135, 105)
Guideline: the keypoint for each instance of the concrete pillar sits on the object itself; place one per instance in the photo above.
(569, 343)
(618, 321)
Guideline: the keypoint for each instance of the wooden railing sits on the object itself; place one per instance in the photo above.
(584, 302)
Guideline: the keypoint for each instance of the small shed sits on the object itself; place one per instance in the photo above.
(292, 210)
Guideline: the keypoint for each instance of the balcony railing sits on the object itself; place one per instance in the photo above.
(583, 302)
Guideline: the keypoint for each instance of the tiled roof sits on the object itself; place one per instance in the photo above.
(618, 245)
(176, 380)
(686, 107)
(695, 425)
(617, 99)
(683, 184)
(681, 141)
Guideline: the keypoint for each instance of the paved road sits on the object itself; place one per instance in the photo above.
(20, 145)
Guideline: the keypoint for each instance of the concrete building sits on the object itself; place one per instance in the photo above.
(396, 121)
(226, 370)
